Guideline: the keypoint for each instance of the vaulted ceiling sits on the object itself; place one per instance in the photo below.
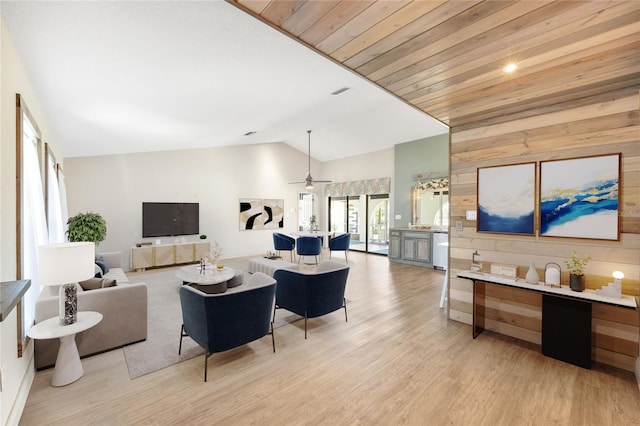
(446, 58)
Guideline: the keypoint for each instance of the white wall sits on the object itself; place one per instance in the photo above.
(18, 372)
(116, 185)
(374, 165)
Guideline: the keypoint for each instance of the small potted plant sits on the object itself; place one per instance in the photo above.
(313, 223)
(87, 227)
(576, 266)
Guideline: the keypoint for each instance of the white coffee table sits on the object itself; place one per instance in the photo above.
(68, 367)
(212, 275)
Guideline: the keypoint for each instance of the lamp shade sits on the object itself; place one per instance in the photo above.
(66, 263)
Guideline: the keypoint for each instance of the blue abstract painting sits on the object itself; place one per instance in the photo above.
(579, 197)
(506, 199)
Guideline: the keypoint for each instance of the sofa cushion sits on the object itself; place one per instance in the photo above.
(95, 283)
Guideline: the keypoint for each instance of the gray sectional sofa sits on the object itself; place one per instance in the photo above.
(124, 315)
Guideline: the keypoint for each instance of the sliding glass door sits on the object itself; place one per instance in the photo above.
(365, 217)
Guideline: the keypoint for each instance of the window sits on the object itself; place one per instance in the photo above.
(32, 229)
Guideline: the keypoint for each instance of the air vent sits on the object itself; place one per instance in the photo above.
(337, 92)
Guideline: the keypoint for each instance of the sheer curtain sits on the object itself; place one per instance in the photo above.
(54, 209)
(34, 224)
(64, 211)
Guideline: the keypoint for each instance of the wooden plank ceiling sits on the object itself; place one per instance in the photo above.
(446, 57)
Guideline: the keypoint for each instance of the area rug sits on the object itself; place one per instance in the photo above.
(160, 350)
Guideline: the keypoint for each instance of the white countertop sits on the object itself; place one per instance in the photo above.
(588, 295)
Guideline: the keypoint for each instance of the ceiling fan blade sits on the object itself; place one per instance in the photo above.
(322, 181)
(296, 183)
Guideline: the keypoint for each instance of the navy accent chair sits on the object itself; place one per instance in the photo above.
(312, 294)
(284, 242)
(223, 321)
(340, 243)
(308, 246)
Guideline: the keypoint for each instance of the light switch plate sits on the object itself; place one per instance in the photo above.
(458, 225)
(472, 215)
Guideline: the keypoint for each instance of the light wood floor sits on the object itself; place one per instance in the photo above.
(397, 361)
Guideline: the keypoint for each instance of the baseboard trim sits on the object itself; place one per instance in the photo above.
(23, 394)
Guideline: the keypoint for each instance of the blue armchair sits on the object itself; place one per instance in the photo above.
(284, 242)
(312, 294)
(308, 246)
(340, 243)
(222, 321)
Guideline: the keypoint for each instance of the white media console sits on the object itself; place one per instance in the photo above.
(167, 254)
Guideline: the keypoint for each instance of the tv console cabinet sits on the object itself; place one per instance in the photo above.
(167, 254)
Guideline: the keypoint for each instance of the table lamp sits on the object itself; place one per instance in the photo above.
(63, 265)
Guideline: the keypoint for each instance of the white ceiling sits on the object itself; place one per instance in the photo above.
(121, 77)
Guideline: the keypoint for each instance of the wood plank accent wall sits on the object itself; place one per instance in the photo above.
(593, 126)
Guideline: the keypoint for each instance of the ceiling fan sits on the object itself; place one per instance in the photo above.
(308, 181)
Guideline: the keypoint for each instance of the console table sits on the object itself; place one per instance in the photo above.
(566, 315)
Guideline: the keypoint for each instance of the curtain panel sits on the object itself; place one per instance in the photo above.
(359, 187)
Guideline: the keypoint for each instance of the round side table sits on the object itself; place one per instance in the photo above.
(68, 367)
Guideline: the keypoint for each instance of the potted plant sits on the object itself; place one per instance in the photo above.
(87, 227)
(576, 266)
(313, 223)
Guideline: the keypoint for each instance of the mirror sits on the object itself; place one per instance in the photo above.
(431, 204)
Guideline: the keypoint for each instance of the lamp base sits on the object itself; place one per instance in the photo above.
(68, 299)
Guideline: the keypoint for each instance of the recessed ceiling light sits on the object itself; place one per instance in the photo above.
(337, 92)
(509, 68)
(250, 133)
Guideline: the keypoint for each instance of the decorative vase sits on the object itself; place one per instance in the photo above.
(532, 275)
(576, 282)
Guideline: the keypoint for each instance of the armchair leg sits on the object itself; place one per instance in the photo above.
(305, 324)
(182, 334)
(344, 305)
(206, 357)
(273, 338)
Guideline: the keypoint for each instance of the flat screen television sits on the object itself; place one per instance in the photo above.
(170, 219)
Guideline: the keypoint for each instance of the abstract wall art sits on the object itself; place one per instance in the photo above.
(273, 214)
(250, 214)
(506, 199)
(579, 197)
(261, 214)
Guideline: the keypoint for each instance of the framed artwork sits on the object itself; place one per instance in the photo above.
(250, 214)
(261, 214)
(579, 197)
(273, 214)
(506, 199)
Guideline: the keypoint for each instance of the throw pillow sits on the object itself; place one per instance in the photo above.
(108, 282)
(91, 284)
(102, 264)
(96, 283)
